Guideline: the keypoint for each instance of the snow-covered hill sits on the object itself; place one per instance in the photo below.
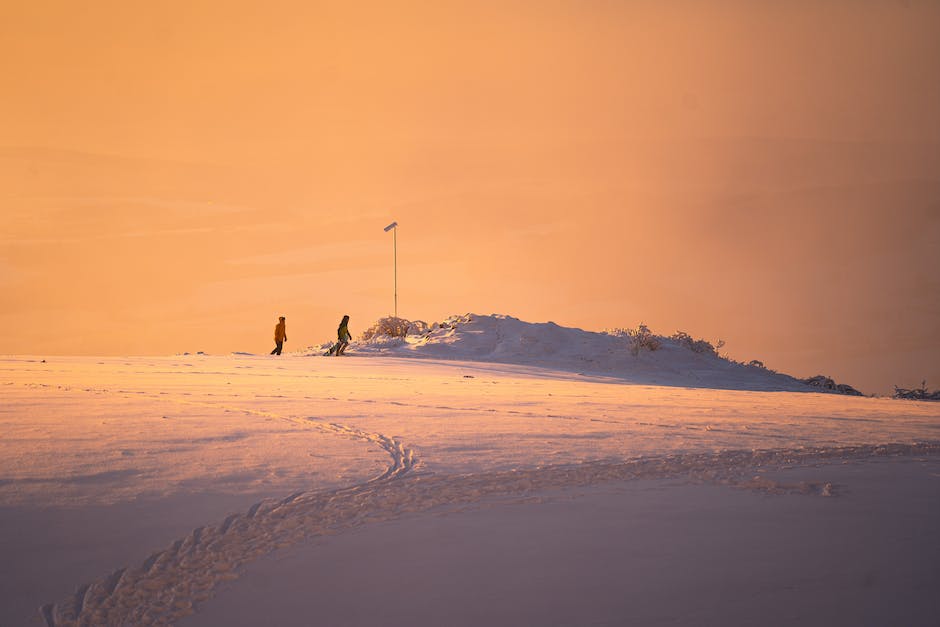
(504, 339)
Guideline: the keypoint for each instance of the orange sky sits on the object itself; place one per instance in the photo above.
(175, 175)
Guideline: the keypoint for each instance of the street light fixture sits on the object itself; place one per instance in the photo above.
(394, 228)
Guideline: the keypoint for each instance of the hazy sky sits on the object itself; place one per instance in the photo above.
(175, 175)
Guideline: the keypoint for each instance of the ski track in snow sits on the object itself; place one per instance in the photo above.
(170, 583)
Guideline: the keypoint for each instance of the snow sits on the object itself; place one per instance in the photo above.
(279, 451)
(642, 552)
(504, 339)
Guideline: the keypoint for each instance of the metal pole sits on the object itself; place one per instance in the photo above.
(395, 240)
(394, 227)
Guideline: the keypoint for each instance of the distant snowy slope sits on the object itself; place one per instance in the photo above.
(504, 339)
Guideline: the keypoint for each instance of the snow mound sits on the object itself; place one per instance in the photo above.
(675, 360)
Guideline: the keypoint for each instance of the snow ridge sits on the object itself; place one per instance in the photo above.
(504, 339)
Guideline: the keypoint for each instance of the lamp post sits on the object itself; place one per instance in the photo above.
(394, 228)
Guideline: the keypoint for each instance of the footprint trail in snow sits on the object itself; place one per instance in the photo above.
(170, 583)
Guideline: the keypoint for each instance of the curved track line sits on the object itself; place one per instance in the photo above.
(168, 583)
(402, 457)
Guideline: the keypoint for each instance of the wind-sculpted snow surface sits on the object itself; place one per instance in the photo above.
(504, 339)
(338, 443)
(169, 583)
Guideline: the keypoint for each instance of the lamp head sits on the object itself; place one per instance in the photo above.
(391, 226)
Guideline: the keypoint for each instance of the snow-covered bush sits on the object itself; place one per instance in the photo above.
(453, 322)
(917, 394)
(418, 327)
(756, 363)
(696, 346)
(641, 338)
(824, 382)
(394, 327)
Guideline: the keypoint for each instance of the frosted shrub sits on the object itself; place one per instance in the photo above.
(390, 327)
(454, 321)
(641, 338)
(826, 383)
(696, 346)
(917, 394)
(394, 327)
(418, 327)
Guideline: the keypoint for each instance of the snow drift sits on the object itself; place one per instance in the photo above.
(675, 360)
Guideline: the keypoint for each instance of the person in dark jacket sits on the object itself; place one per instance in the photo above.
(280, 335)
(344, 336)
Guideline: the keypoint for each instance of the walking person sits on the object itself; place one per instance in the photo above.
(280, 335)
(344, 336)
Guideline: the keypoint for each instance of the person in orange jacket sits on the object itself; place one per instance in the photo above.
(280, 335)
